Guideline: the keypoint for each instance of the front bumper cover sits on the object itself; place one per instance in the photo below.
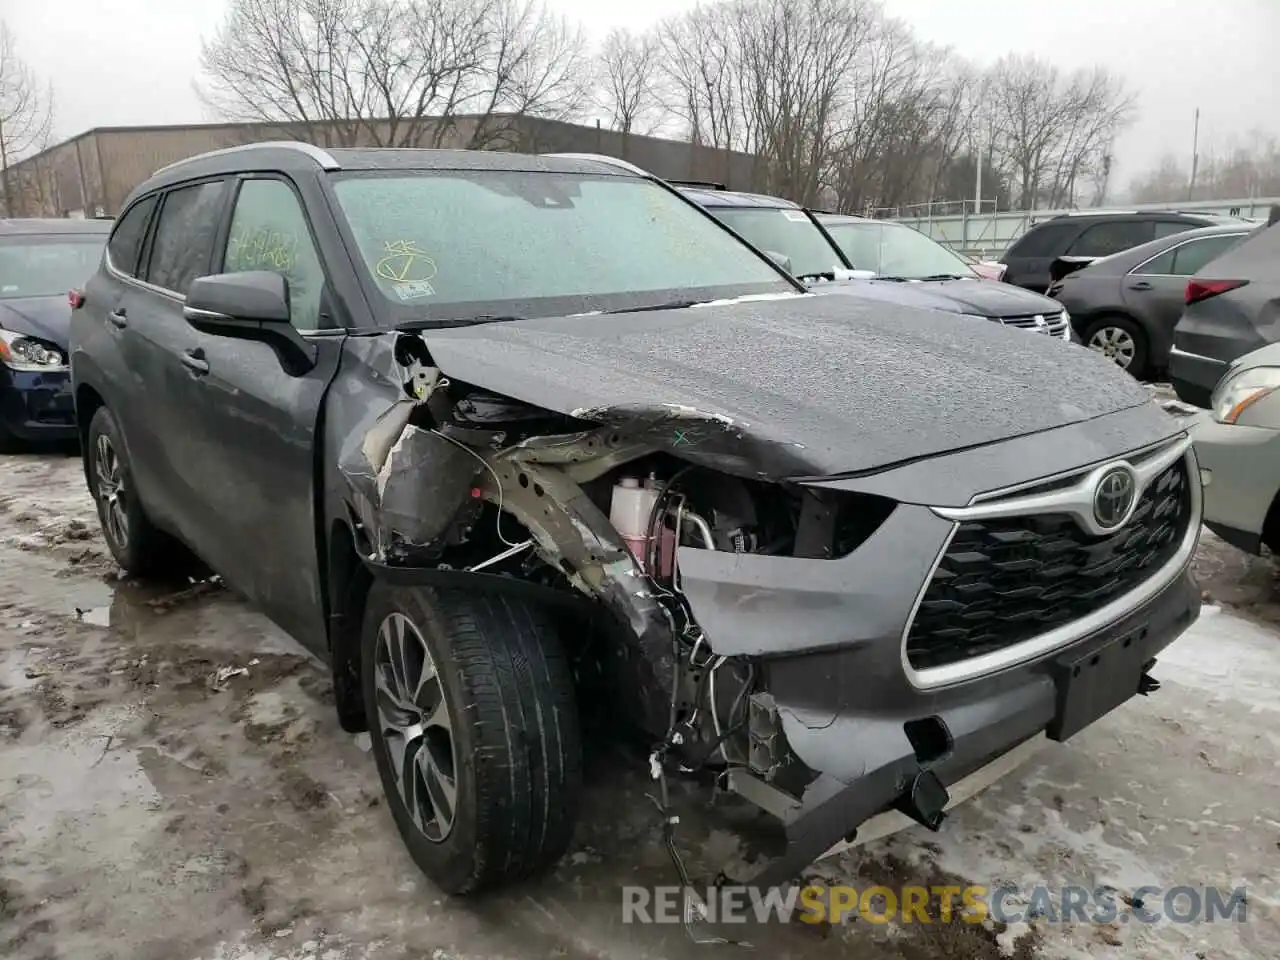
(867, 762)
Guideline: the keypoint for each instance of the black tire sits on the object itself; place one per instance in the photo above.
(1139, 362)
(142, 549)
(516, 752)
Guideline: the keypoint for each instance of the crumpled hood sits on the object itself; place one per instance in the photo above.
(990, 298)
(845, 383)
(48, 318)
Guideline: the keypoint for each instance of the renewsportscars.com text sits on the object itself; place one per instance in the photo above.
(934, 904)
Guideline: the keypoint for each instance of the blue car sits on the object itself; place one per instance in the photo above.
(41, 262)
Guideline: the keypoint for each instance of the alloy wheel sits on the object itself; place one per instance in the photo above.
(416, 730)
(112, 494)
(1115, 344)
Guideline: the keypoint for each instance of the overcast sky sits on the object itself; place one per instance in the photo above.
(115, 62)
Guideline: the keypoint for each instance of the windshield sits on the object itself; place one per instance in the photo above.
(895, 250)
(788, 232)
(47, 266)
(456, 244)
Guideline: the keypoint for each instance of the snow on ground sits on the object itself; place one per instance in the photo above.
(149, 811)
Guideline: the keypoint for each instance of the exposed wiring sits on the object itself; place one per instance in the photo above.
(497, 520)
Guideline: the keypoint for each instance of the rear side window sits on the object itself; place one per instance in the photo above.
(125, 244)
(185, 235)
(1104, 239)
(1190, 257)
(1043, 240)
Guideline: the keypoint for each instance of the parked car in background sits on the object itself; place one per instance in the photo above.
(1238, 445)
(780, 228)
(504, 437)
(875, 259)
(912, 268)
(1089, 234)
(1125, 306)
(987, 269)
(41, 261)
(1232, 307)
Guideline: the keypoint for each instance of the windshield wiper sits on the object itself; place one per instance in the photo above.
(819, 275)
(943, 276)
(436, 323)
(671, 305)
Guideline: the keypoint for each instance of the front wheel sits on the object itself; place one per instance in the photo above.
(1121, 341)
(474, 724)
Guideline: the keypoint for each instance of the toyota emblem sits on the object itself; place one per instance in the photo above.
(1040, 325)
(1114, 497)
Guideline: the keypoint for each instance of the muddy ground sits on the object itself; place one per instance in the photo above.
(150, 811)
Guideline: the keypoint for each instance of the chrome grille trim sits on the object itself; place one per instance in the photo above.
(1147, 464)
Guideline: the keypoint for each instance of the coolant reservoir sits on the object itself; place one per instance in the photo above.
(629, 512)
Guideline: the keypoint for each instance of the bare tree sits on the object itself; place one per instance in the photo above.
(629, 78)
(1247, 168)
(26, 119)
(395, 73)
(906, 123)
(700, 53)
(1052, 131)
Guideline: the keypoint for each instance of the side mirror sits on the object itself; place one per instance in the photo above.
(250, 305)
(781, 259)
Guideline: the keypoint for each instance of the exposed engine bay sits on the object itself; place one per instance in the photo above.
(604, 511)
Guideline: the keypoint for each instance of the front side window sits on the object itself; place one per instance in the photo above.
(269, 232)
(783, 231)
(895, 250)
(125, 245)
(47, 266)
(453, 244)
(186, 234)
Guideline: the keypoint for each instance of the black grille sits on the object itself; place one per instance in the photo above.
(1054, 324)
(1006, 580)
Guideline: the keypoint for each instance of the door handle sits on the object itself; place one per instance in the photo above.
(117, 318)
(194, 361)
(1140, 285)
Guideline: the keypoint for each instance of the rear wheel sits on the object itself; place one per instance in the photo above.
(474, 725)
(1121, 341)
(136, 544)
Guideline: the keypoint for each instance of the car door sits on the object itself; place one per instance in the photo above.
(1155, 290)
(253, 446)
(153, 337)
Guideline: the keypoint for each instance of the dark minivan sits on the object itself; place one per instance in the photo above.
(1087, 234)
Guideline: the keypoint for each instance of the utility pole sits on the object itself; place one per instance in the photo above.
(1195, 154)
(977, 186)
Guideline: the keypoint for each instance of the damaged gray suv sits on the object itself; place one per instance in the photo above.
(502, 437)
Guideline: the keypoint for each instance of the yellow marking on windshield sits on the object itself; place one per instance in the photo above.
(404, 262)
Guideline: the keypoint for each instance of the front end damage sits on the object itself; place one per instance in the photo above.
(758, 625)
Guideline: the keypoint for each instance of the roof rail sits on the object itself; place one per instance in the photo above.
(318, 154)
(602, 158)
(1105, 213)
